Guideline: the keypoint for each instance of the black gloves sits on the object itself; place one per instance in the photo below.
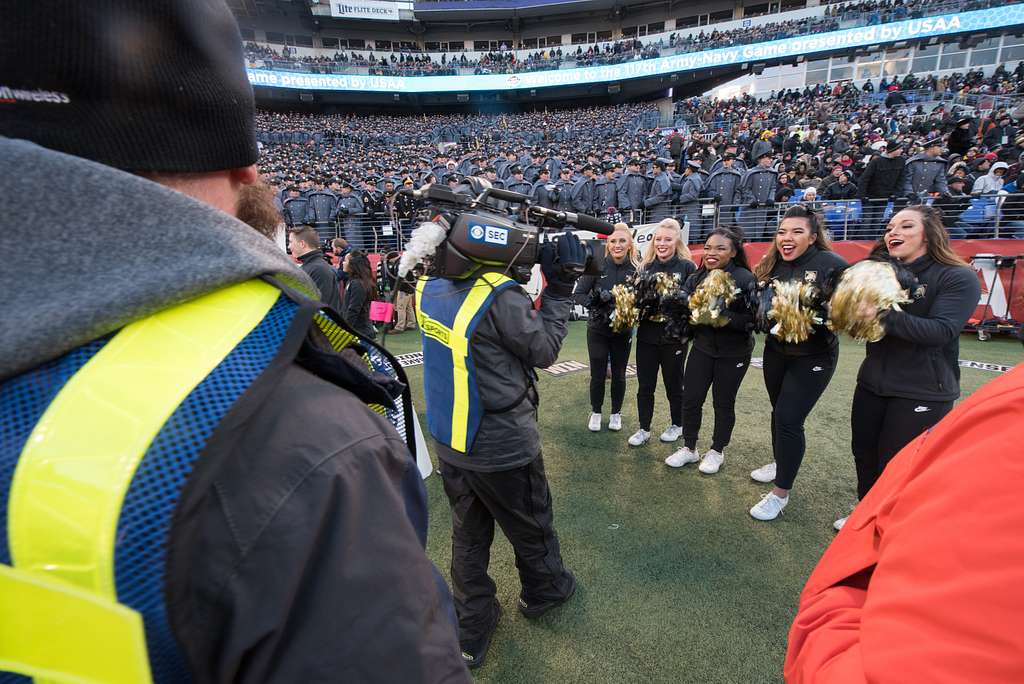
(761, 304)
(562, 263)
(755, 204)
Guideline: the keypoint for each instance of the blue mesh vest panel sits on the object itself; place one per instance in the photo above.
(149, 504)
(23, 400)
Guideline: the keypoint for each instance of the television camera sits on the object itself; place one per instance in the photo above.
(481, 232)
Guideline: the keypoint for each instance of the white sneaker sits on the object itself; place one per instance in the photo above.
(838, 524)
(765, 473)
(671, 433)
(639, 437)
(712, 461)
(615, 422)
(682, 457)
(595, 422)
(769, 507)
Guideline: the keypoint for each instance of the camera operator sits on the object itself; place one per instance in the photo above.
(482, 403)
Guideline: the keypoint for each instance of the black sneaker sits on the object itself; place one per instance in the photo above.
(535, 610)
(474, 652)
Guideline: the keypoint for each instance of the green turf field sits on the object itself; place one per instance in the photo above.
(677, 583)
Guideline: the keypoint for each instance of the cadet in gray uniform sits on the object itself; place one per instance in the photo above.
(563, 191)
(689, 195)
(605, 189)
(658, 201)
(541, 192)
(632, 189)
(516, 182)
(350, 210)
(724, 188)
(758, 193)
(583, 192)
(926, 173)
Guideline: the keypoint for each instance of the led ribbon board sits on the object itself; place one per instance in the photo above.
(911, 29)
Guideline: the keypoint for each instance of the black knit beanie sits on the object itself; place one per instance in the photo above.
(140, 85)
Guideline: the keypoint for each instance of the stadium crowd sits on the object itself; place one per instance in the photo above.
(506, 61)
(828, 144)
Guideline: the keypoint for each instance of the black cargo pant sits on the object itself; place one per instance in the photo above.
(723, 375)
(794, 384)
(882, 426)
(670, 359)
(604, 350)
(520, 502)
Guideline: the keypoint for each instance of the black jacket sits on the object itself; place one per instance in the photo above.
(816, 266)
(316, 267)
(614, 274)
(303, 547)
(960, 140)
(653, 332)
(883, 178)
(511, 340)
(919, 356)
(838, 191)
(356, 309)
(736, 338)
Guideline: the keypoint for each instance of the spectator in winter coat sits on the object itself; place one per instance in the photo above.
(1003, 133)
(960, 139)
(843, 189)
(992, 181)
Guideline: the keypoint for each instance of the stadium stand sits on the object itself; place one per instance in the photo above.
(814, 136)
(507, 61)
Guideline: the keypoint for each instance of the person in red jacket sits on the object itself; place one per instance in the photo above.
(923, 584)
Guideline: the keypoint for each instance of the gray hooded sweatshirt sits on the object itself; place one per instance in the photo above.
(94, 249)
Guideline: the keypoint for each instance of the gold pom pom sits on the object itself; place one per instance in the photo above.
(710, 299)
(865, 285)
(625, 314)
(793, 310)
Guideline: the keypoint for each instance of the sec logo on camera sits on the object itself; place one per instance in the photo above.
(476, 232)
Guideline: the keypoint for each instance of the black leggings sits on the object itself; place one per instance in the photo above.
(884, 425)
(704, 372)
(670, 358)
(604, 349)
(794, 384)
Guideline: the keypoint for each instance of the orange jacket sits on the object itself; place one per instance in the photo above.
(925, 583)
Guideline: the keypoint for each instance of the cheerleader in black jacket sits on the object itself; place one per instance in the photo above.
(605, 346)
(720, 355)
(668, 253)
(795, 374)
(910, 378)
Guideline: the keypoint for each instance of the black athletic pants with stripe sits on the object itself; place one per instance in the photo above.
(882, 426)
(721, 375)
(794, 384)
(604, 350)
(520, 502)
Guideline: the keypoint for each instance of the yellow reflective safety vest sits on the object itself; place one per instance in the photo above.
(95, 449)
(448, 313)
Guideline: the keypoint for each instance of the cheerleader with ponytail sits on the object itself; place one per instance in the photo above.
(721, 325)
